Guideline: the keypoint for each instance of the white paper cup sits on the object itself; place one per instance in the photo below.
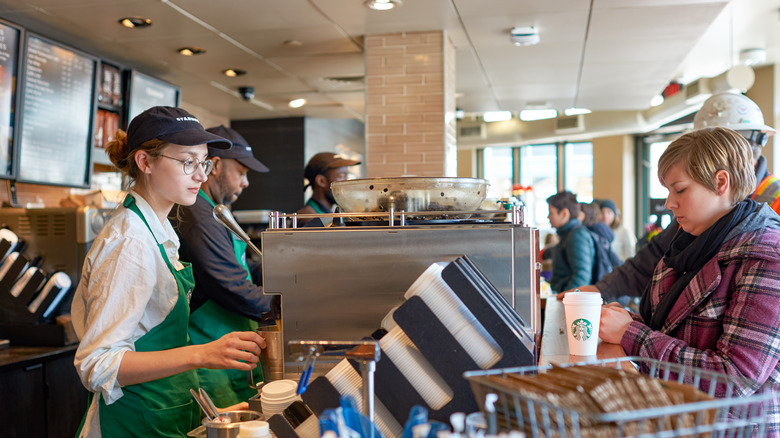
(583, 313)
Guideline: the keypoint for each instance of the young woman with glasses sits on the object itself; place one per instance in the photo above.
(131, 308)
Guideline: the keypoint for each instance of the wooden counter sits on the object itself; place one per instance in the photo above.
(555, 344)
(41, 392)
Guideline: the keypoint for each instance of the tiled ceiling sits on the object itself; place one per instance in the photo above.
(600, 54)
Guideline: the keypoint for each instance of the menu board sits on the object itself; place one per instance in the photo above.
(146, 92)
(58, 103)
(9, 55)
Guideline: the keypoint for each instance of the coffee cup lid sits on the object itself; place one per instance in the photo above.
(582, 297)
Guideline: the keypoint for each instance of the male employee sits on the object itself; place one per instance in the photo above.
(225, 298)
(729, 110)
(323, 169)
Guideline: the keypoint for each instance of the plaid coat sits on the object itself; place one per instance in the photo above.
(728, 317)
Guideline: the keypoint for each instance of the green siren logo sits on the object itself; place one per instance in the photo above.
(581, 329)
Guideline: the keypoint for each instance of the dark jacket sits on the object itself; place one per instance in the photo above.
(208, 245)
(572, 264)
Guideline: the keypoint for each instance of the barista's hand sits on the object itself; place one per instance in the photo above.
(587, 288)
(236, 350)
(614, 323)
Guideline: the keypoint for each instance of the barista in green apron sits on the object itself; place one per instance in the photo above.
(323, 169)
(130, 315)
(210, 321)
(162, 407)
(225, 298)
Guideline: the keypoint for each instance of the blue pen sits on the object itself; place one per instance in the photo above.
(308, 366)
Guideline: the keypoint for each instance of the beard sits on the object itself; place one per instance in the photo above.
(226, 196)
(330, 198)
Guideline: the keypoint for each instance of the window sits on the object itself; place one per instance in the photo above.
(536, 174)
(539, 171)
(498, 170)
(578, 176)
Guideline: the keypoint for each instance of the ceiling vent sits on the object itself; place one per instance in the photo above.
(568, 124)
(472, 131)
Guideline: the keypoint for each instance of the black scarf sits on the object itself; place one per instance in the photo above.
(687, 255)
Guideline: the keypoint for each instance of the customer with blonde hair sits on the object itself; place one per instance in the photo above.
(714, 298)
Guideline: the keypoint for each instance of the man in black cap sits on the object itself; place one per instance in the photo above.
(225, 297)
(323, 169)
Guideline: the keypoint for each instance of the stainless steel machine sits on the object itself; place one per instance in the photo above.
(337, 283)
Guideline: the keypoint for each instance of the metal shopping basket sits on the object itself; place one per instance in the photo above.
(728, 415)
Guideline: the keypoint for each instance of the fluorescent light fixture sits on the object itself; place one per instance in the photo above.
(656, 100)
(497, 116)
(576, 111)
(297, 103)
(537, 114)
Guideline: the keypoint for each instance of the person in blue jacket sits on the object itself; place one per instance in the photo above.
(573, 262)
(227, 295)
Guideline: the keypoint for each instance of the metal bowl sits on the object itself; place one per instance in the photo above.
(410, 194)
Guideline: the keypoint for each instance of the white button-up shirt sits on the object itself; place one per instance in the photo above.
(126, 289)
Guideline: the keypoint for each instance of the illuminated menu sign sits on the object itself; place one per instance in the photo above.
(57, 107)
(146, 92)
(9, 51)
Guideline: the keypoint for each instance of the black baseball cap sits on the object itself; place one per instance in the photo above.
(172, 125)
(324, 161)
(241, 151)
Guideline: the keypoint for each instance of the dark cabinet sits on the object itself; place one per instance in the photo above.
(42, 395)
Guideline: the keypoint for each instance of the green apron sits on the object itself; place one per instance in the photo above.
(212, 321)
(162, 407)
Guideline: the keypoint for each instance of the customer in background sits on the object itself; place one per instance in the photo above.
(714, 299)
(131, 308)
(227, 295)
(322, 170)
(605, 260)
(573, 260)
(624, 243)
(728, 110)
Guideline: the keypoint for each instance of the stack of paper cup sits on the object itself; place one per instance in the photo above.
(347, 381)
(583, 313)
(277, 395)
(455, 316)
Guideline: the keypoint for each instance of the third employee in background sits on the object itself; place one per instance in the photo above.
(226, 297)
(323, 169)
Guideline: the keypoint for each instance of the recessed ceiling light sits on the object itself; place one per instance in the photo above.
(133, 22)
(293, 43)
(297, 103)
(382, 5)
(497, 116)
(191, 51)
(232, 72)
(529, 115)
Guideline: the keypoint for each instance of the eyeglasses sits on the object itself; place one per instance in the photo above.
(191, 164)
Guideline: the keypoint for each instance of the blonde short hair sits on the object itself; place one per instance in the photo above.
(704, 152)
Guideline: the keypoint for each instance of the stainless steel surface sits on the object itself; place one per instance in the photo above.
(215, 429)
(207, 401)
(338, 283)
(410, 194)
(62, 236)
(206, 410)
(225, 217)
(367, 353)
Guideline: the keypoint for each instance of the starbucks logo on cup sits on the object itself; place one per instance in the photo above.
(581, 329)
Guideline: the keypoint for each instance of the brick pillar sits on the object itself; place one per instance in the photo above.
(410, 105)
